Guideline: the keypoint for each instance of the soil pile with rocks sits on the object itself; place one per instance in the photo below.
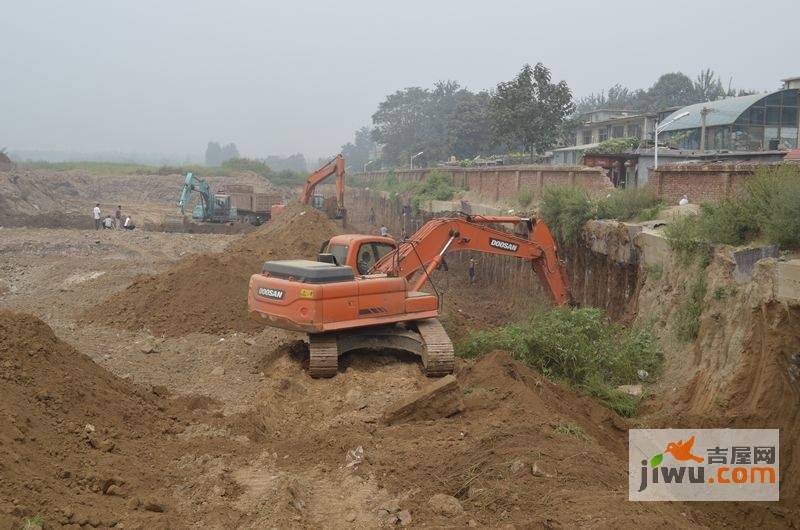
(208, 292)
(77, 443)
(517, 452)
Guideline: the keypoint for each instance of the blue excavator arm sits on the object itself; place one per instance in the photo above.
(190, 184)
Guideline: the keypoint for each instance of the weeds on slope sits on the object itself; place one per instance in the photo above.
(436, 186)
(687, 319)
(566, 210)
(577, 347)
(767, 209)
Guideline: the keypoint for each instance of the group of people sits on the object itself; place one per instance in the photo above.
(109, 223)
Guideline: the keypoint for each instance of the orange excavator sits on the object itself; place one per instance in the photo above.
(335, 166)
(364, 292)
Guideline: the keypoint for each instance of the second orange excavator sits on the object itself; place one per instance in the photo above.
(335, 166)
(365, 292)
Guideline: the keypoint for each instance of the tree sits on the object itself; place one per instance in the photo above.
(527, 111)
(216, 155)
(213, 154)
(708, 86)
(399, 122)
(469, 129)
(671, 90)
(447, 120)
(361, 150)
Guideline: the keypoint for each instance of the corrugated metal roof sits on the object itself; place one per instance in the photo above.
(723, 112)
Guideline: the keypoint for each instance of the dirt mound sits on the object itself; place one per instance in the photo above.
(520, 451)
(208, 292)
(76, 441)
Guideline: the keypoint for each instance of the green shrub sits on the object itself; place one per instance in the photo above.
(772, 198)
(525, 197)
(437, 186)
(683, 236)
(566, 210)
(629, 204)
(687, 320)
(728, 222)
(579, 347)
(768, 208)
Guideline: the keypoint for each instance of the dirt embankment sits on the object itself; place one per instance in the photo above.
(742, 370)
(208, 292)
(77, 442)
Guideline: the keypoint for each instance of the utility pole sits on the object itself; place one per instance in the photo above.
(703, 113)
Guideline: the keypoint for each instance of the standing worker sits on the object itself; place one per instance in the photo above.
(471, 271)
(118, 217)
(384, 231)
(96, 215)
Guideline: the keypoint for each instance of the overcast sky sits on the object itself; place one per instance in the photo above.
(167, 76)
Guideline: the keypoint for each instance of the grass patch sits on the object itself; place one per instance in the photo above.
(687, 319)
(577, 347)
(31, 523)
(570, 429)
(654, 271)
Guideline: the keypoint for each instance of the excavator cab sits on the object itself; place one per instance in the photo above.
(361, 252)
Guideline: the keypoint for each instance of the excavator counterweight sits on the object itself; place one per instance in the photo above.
(365, 292)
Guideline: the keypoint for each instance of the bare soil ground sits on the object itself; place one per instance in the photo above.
(131, 400)
(51, 199)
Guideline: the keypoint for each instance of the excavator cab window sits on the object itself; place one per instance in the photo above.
(339, 252)
(370, 253)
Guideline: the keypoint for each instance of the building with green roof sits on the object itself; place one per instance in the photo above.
(757, 122)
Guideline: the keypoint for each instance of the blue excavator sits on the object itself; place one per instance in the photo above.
(212, 208)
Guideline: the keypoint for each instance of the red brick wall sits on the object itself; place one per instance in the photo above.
(701, 183)
(504, 183)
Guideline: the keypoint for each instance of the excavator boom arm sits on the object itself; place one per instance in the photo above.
(190, 184)
(335, 166)
(425, 249)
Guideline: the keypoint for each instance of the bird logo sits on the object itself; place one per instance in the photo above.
(680, 450)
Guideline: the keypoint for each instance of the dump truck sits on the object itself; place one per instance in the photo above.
(231, 202)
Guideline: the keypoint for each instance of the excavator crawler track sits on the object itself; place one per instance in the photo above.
(323, 355)
(438, 358)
